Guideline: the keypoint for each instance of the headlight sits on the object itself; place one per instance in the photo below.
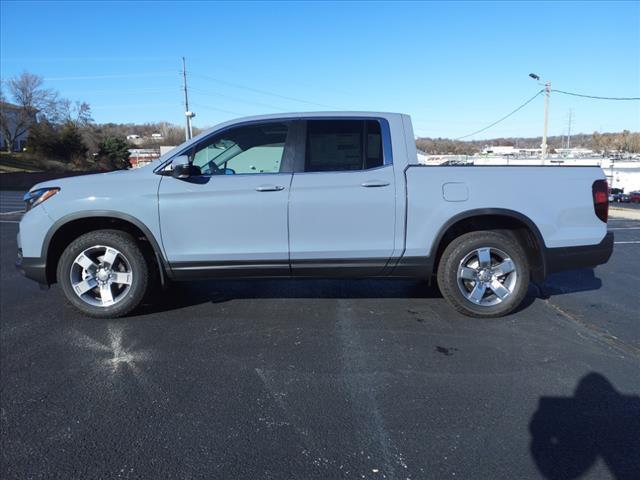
(36, 197)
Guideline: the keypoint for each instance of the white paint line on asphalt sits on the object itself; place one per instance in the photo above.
(9, 221)
(633, 241)
(625, 228)
(11, 213)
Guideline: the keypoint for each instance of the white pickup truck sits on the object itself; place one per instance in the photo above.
(307, 195)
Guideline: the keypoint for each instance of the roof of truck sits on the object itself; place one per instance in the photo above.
(332, 114)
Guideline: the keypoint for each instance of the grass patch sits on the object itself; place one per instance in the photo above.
(29, 162)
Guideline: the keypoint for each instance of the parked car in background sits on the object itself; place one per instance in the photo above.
(634, 197)
(617, 195)
(331, 194)
(613, 192)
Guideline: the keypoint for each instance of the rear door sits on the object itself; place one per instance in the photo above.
(342, 200)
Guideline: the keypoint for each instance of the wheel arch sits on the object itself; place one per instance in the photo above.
(70, 227)
(523, 228)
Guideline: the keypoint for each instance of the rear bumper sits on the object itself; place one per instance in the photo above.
(585, 256)
(33, 268)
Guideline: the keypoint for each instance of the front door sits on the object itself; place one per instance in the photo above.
(232, 218)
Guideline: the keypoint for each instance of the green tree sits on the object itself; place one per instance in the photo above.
(71, 147)
(57, 142)
(44, 139)
(115, 151)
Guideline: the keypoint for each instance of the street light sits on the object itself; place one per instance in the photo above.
(547, 94)
(189, 131)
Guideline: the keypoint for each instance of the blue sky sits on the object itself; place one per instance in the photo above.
(455, 67)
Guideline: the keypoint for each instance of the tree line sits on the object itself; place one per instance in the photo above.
(62, 130)
(57, 128)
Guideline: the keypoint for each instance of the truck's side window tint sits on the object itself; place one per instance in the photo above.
(374, 145)
(248, 149)
(338, 145)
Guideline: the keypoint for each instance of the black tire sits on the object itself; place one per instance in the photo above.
(139, 269)
(452, 286)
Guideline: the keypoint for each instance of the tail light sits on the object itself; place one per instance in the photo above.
(600, 191)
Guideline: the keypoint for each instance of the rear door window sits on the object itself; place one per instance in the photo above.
(343, 145)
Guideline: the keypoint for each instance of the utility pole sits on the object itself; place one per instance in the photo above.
(547, 94)
(569, 130)
(188, 131)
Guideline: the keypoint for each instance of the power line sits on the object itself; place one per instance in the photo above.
(503, 118)
(264, 92)
(594, 96)
(206, 107)
(236, 99)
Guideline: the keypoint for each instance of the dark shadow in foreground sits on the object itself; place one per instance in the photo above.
(568, 435)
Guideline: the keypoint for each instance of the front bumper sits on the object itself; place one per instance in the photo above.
(32, 268)
(585, 256)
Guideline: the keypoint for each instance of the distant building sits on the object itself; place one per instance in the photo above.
(16, 119)
(166, 149)
(500, 150)
(509, 151)
(136, 139)
(575, 152)
(139, 157)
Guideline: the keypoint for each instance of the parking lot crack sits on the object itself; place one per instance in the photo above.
(601, 335)
(361, 389)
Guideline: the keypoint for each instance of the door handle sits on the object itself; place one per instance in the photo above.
(269, 188)
(374, 183)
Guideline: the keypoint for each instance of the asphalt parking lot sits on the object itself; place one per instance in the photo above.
(323, 379)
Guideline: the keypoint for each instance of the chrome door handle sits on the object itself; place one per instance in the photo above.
(374, 183)
(269, 188)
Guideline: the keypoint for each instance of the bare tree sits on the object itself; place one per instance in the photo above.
(78, 113)
(29, 100)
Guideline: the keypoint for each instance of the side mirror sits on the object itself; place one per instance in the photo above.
(182, 169)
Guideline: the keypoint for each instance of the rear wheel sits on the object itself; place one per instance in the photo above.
(103, 273)
(484, 274)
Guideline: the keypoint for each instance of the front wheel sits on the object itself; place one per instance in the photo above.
(484, 274)
(103, 273)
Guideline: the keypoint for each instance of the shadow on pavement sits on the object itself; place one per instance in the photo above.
(184, 294)
(568, 435)
(572, 281)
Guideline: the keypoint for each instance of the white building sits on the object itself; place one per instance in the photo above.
(575, 152)
(509, 151)
(17, 122)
